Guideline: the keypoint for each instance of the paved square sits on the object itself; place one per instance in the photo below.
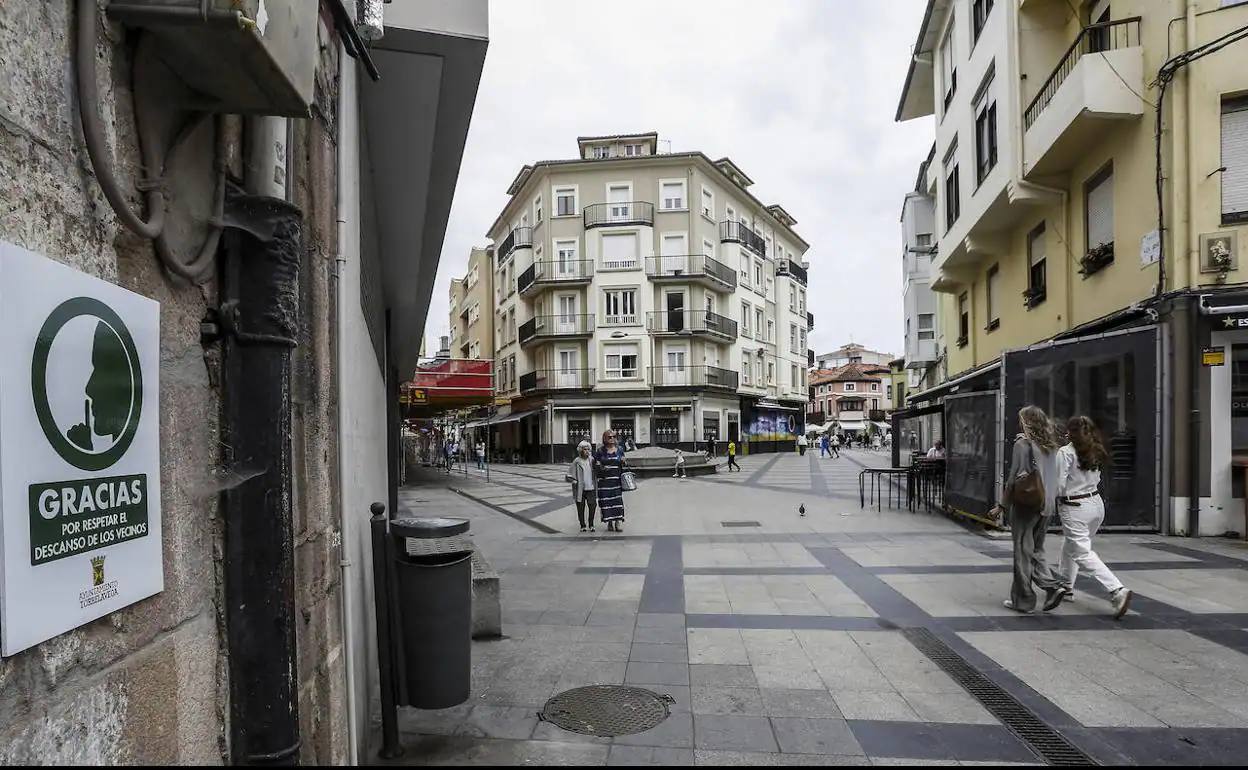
(789, 643)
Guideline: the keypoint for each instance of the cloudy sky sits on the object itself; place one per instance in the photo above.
(800, 93)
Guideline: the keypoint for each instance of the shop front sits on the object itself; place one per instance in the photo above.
(770, 426)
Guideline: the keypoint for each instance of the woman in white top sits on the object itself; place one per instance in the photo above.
(581, 474)
(1081, 510)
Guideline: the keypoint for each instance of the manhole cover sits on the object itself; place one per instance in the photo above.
(606, 710)
(741, 524)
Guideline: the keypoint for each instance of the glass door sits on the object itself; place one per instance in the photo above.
(675, 311)
(568, 373)
(677, 371)
(566, 320)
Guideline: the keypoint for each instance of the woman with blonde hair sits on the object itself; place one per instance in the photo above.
(609, 468)
(1030, 497)
(1081, 510)
(584, 492)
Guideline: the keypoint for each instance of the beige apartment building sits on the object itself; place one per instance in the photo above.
(651, 293)
(1090, 189)
(471, 321)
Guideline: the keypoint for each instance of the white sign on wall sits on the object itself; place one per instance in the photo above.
(79, 448)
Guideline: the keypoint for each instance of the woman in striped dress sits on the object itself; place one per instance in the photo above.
(610, 466)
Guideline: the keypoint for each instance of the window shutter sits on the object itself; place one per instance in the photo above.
(1101, 212)
(619, 250)
(1235, 158)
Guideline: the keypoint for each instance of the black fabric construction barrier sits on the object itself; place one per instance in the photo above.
(972, 446)
(1113, 380)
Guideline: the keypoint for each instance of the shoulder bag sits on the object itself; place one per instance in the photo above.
(1028, 494)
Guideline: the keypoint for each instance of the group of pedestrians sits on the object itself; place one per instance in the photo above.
(830, 447)
(1047, 479)
(597, 479)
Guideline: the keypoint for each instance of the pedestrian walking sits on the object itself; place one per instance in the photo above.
(937, 452)
(609, 466)
(835, 446)
(1030, 499)
(710, 447)
(480, 455)
(876, 442)
(801, 445)
(732, 456)
(1081, 510)
(823, 446)
(680, 465)
(581, 474)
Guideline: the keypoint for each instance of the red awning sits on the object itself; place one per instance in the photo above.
(448, 383)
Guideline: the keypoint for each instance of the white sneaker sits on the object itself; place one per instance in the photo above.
(1121, 601)
(1009, 605)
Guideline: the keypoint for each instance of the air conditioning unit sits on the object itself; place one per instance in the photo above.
(235, 56)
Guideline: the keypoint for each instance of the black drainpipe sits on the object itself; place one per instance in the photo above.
(258, 320)
(1193, 444)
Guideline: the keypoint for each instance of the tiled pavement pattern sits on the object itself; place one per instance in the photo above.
(783, 643)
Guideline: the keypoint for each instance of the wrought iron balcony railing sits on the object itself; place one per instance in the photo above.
(1094, 38)
(560, 325)
(519, 238)
(691, 266)
(792, 268)
(692, 322)
(557, 379)
(693, 377)
(740, 232)
(619, 213)
(555, 272)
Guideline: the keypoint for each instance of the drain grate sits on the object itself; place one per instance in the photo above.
(741, 524)
(1051, 745)
(606, 710)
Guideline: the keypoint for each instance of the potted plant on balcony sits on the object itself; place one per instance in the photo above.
(1097, 257)
(1033, 295)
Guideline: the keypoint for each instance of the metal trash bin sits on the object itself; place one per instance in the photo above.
(433, 607)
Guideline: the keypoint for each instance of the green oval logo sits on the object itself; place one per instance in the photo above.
(87, 383)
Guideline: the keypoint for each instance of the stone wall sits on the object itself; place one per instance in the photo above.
(149, 684)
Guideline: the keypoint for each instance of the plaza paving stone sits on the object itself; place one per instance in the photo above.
(785, 643)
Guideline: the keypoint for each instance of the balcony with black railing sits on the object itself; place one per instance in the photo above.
(1098, 79)
(547, 273)
(792, 269)
(619, 213)
(560, 326)
(692, 268)
(518, 238)
(693, 377)
(557, 379)
(691, 322)
(740, 232)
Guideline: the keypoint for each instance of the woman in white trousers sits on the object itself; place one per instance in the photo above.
(1081, 509)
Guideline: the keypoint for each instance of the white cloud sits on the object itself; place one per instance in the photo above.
(801, 94)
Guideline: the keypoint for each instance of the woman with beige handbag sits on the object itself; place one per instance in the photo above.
(1029, 498)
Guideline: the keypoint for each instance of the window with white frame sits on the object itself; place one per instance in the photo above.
(792, 338)
(1235, 161)
(948, 64)
(771, 372)
(985, 109)
(474, 350)
(565, 201)
(746, 366)
(801, 338)
(875, 387)
(758, 274)
(601, 152)
(708, 248)
(771, 330)
(758, 323)
(619, 307)
(632, 150)
(993, 288)
(708, 203)
(620, 200)
(621, 361)
(927, 326)
(745, 319)
(794, 379)
(537, 211)
(792, 297)
(619, 251)
(473, 277)
(801, 300)
(672, 194)
(1099, 209)
(851, 387)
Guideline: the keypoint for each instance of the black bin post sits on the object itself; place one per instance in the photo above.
(422, 572)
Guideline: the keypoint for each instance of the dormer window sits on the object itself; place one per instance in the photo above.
(601, 152)
(632, 150)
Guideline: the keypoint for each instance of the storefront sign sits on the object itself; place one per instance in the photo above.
(1213, 356)
(79, 450)
(1225, 322)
